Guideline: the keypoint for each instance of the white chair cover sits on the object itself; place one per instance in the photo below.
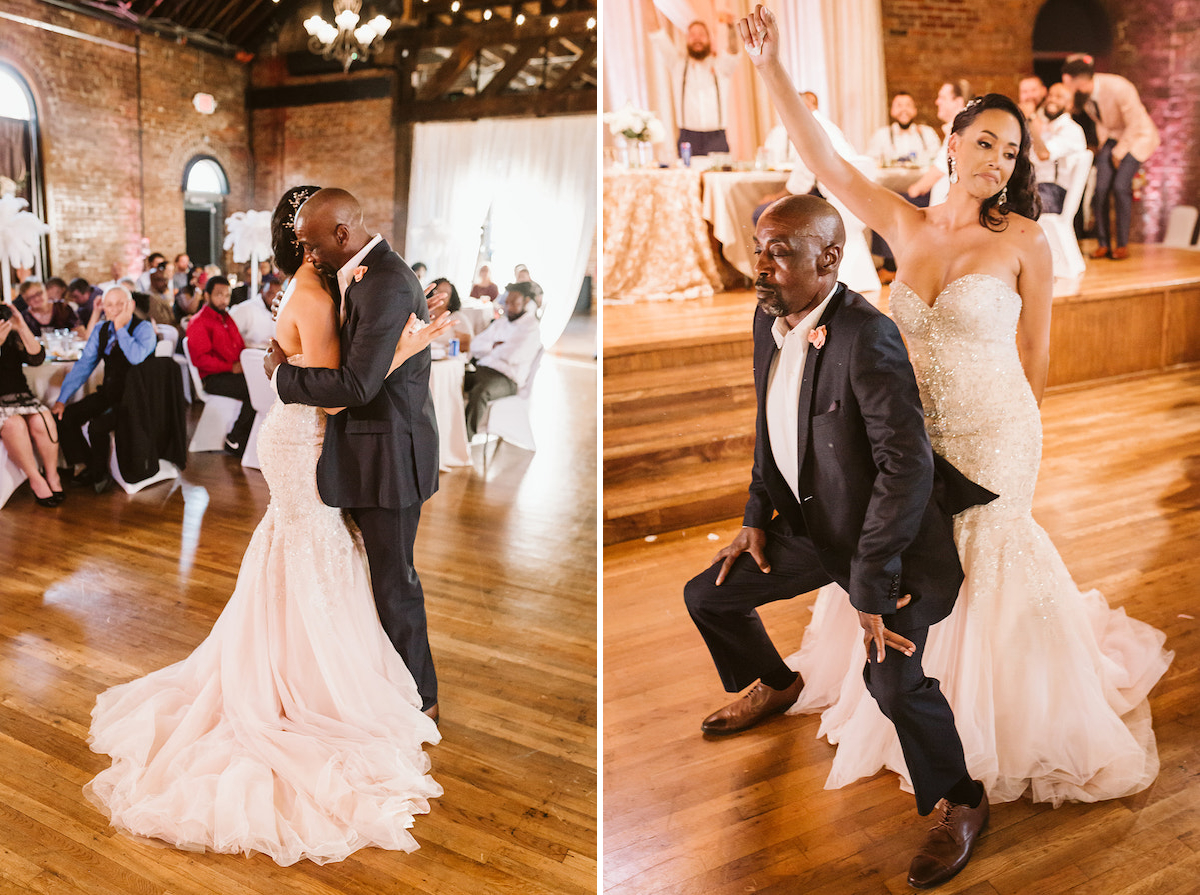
(220, 412)
(262, 396)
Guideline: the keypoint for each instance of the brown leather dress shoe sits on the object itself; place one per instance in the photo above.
(1120, 253)
(948, 846)
(759, 703)
(1100, 252)
(432, 712)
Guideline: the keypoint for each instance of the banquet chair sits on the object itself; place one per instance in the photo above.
(11, 476)
(507, 419)
(262, 396)
(220, 412)
(1060, 228)
(168, 340)
(1181, 224)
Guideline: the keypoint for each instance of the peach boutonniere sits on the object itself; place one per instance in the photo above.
(816, 337)
(359, 271)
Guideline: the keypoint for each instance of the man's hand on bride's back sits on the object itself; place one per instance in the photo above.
(760, 35)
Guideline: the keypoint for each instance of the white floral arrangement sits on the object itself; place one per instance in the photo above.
(635, 124)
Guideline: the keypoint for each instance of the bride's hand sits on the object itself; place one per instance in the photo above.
(760, 35)
(417, 336)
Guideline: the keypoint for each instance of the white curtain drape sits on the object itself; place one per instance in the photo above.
(832, 47)
(537, 176)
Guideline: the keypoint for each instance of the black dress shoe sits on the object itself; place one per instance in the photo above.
(102, 484)
(87, 477)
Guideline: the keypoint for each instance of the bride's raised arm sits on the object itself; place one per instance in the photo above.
(878, 207)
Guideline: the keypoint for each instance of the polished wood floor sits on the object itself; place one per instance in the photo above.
(1119, 493)
(108, 588)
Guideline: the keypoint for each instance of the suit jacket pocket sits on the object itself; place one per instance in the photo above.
(830, 416)
(364, 427)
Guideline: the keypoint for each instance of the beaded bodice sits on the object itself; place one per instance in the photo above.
(979, 408)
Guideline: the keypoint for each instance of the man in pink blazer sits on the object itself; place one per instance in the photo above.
(1127, 137)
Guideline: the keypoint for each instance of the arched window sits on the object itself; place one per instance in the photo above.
(205, 187)
(1063, 27)
(20, 163)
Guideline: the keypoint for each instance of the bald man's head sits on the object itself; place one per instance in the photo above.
(329, 227)
(799, 243)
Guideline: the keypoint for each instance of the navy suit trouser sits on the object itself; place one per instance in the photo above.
(728, 620)
(1115, 184)
(388, 535)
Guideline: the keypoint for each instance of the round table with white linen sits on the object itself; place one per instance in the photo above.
(446, 386)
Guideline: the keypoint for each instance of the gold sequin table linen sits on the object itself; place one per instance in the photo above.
(656, 243)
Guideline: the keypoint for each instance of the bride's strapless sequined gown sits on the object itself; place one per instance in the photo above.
(294, 729)
(1048, 684)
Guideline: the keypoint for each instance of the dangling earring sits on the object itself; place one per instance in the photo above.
(1003, 203)
(953, 169)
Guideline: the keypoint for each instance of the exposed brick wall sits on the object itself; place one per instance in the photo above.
(87, 99)
(1156, 44)
(349, 145)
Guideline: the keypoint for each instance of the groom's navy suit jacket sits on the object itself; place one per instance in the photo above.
(870, 501)
(382, 451)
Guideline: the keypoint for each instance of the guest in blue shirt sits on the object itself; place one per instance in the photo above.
(121, 341)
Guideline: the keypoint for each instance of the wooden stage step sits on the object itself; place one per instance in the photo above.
(679, 392)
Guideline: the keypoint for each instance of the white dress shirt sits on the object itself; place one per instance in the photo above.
(701, 88)
(783, 391)
(509, 346)
(346, 274)
(254, 321)
(1061, 136)
(892, 145)
(802, 180)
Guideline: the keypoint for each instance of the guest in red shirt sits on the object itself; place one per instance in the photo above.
(216, 347)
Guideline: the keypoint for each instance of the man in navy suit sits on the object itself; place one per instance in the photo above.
(380, 456)
(843, 489)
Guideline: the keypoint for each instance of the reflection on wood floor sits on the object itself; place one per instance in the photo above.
(110, 587)
(1119, 494)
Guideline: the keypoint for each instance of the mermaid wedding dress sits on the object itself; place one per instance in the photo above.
(295, 728)
(1048, 684)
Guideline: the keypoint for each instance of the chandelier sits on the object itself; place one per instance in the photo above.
(345, 40)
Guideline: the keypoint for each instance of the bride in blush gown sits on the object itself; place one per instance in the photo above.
(295, 728)
(1048, 685)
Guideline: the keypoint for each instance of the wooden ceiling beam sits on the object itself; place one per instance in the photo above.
(448, 72)
(538, 103)
(515, 64)
(578, 67)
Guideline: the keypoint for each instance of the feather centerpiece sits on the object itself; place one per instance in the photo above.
(20, 238)
(249, 235)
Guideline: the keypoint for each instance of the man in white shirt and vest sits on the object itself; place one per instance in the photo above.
(701, 85)
(1055, 137)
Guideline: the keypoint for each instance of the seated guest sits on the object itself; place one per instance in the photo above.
(1031, 93)
(460, 326)
(904, 142)
(484, 287)
(56, 289)
(503, 354)
(161, 308)
(952, 98)
(1055, 136)
(421, 271)
(181, 273)
(521, 275)
(155, 262)
(26, 426)
(255, 319)
(121, 340)
(84, 297)
(187, 302)
(216, 348)
(42, 313)
(801, 180)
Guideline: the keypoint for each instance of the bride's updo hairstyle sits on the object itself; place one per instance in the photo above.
(1022, 185)
(288, 254)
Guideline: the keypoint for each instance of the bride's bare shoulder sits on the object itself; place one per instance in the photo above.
(310, 284)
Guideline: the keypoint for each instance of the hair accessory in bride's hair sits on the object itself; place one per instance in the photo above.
(973, 103)
(297, 199)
